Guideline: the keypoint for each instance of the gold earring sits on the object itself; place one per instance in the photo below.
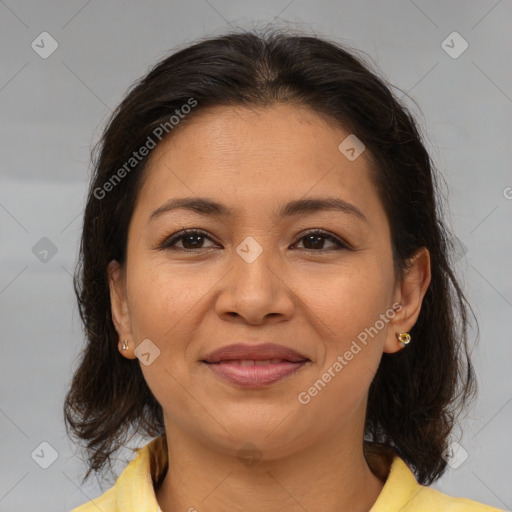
(404, 338)
(125, 345)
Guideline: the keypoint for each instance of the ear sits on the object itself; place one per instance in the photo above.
(119, 307)
(409, 293)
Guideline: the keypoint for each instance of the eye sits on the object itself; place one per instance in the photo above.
(193, 238)
(313, 240)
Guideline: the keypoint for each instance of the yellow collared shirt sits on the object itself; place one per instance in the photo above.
(134, 489)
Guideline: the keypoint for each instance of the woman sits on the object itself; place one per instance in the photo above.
(266, 289)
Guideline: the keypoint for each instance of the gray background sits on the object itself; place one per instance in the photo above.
(52, 110)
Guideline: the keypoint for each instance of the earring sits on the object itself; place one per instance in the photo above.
(404, 338)
(125, 345)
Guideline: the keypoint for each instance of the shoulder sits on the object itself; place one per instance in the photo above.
(106, 502)
(428, 499)
(134, 488)
(402, 492)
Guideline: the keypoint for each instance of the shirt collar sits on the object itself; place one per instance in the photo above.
(136, 484)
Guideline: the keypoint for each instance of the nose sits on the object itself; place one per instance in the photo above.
(254, 290)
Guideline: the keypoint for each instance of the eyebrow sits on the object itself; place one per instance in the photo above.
(205, 206)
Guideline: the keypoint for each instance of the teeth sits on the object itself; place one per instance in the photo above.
(245, 362)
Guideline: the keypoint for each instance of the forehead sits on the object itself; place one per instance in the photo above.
(253, 158)
(254, 136)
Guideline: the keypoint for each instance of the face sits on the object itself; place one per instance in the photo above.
(313, 281)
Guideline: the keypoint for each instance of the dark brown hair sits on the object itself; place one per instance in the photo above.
(418, 392)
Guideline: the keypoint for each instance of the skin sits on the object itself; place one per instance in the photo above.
(317, 302)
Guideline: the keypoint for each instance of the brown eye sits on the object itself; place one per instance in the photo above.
(190, 239)
(314, 241)
(193, 239)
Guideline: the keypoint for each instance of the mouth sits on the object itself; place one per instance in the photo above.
(254, 365)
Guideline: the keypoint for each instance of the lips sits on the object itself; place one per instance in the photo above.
(264, 352)
(254, 365)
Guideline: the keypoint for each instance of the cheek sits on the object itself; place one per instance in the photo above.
(357, 309)
(160, 297)
(163, 304)
(352, 348)
(354, 298)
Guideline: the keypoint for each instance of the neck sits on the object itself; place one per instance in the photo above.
(332, 477)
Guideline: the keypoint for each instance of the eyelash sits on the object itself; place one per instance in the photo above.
(168, 242)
